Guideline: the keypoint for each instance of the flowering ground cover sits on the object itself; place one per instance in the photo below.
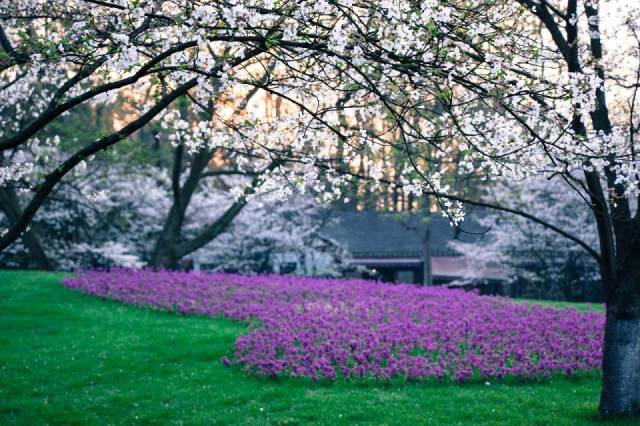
(320, 328)
(69, 358)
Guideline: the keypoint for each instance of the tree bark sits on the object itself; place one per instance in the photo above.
(621, 367)
(169, 248)
(166, 254)
(52, 179)
(209, 233)
(621, 358)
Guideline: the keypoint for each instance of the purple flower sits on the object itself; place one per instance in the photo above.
(328, 328)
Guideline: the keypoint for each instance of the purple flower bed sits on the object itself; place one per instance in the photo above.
(320, 328)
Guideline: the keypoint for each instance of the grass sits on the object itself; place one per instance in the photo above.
(556, 304)
(67, 358)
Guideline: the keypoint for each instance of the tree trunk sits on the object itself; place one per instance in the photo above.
(165, 253)
(621, 367)
(621, 358)
(427, 276)
(170, 247)
(164, 259)
(621, 353)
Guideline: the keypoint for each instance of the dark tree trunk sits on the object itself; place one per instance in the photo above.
(621, 367)
(166, 254)
(170, 250)
(618, 230)
(10, 205)
(170, 246)
(621, 359)
(427, 276)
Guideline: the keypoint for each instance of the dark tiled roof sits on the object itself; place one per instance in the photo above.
(382, 234)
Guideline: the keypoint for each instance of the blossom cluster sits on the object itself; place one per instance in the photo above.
(354, 78)
(330, 328)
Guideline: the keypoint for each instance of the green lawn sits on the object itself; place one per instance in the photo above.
(556, 304)
(67, 358)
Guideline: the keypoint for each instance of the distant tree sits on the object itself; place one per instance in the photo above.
(269, 232)
(111, 215)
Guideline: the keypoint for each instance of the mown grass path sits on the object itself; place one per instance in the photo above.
(67, 358)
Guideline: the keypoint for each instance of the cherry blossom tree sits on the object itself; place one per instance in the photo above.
(520, 88)
(270, 232)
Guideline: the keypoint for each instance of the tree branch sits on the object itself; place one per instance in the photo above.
(54, 177)
(101, 144)
(14, 57)
(225, 172)
(55, 110)
(220, 225)
(477, 203)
